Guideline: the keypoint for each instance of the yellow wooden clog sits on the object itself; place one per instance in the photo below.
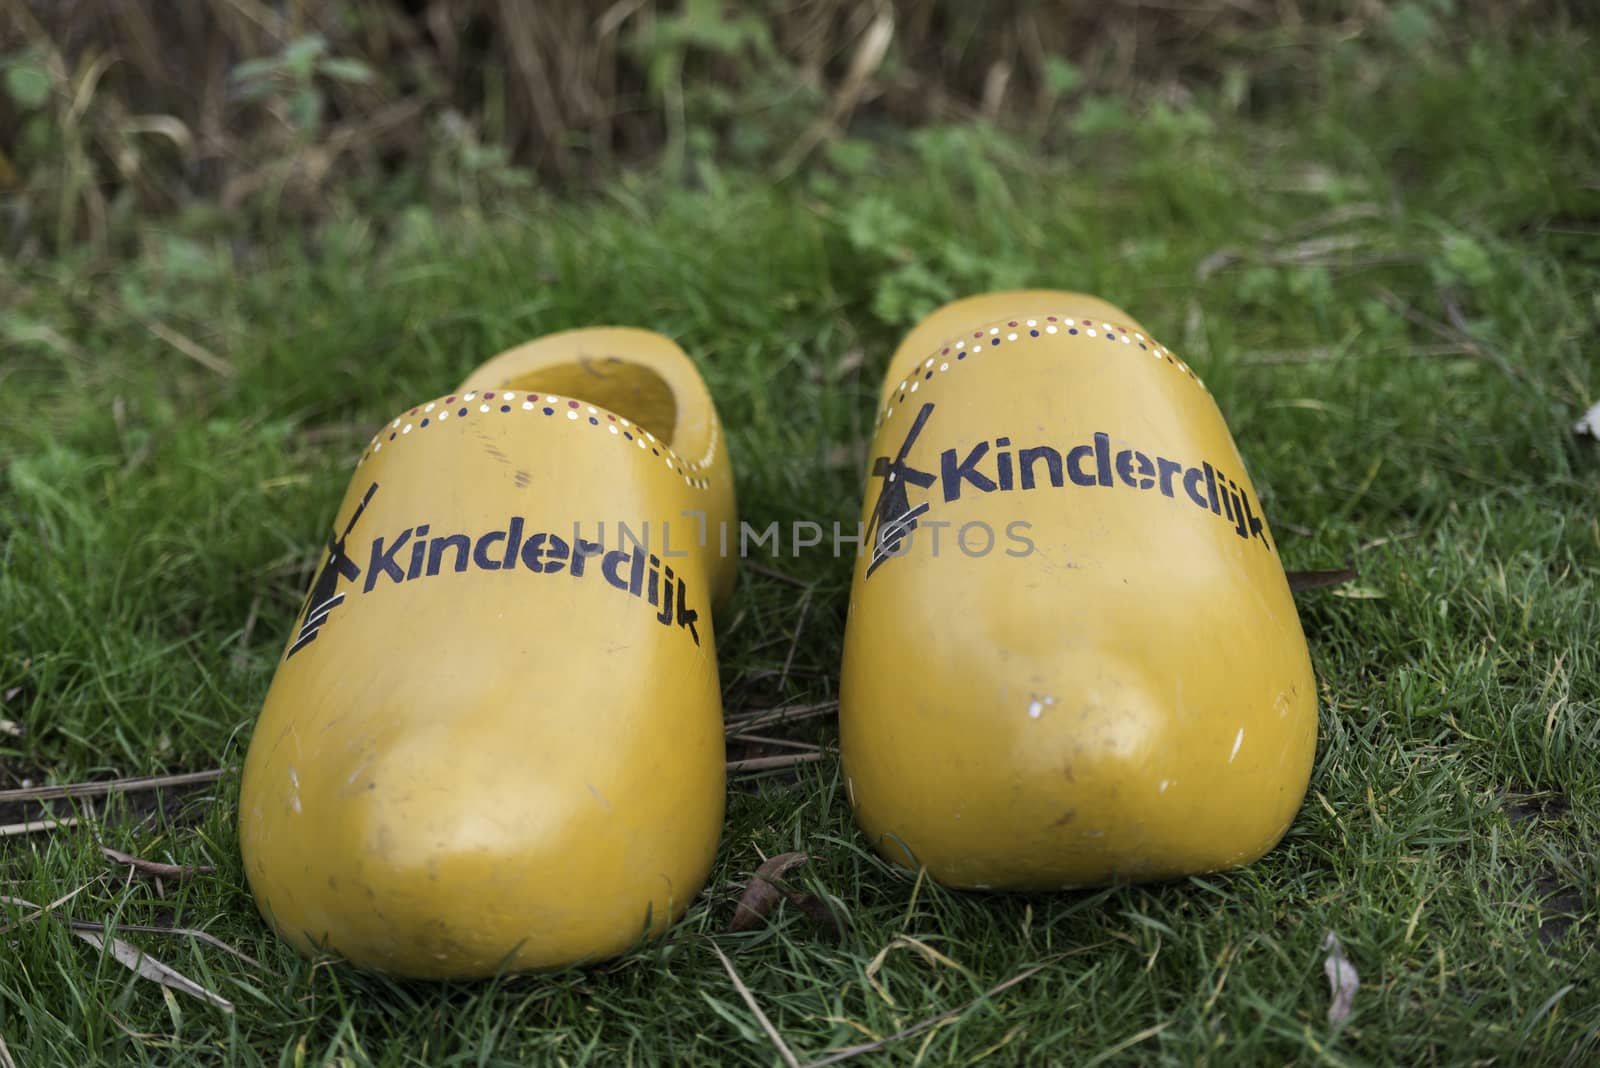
(494, 741)
(1072, 656)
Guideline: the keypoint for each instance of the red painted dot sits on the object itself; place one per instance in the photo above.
(413, 411)
(488, 396)
(450, 399)
(946, 352)
(1088, 322)
(977, 333)
(572, 404)
(1052, 318)
(612, 418)
(1012, 323)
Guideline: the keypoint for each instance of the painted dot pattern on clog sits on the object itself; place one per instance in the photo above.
(956, 352)
(563, 411)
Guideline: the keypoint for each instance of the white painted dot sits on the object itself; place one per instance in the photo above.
(1066, 322)
(651, 436)
(1164, 784)
(944, 367)
(1011, 337)
(1049, 329)
(639, 442)
(613, 428)
(443, 416)
(1091, 332)
(959, 345)
(1139, 336)
(929, 363)
(1034, 709)
(914, 386)
(1237, 741)
(429, 408)
(571, 413)
(1157, 355)
(377, 448)
(888, 413)
(1033, 322)
(483, 407)
(527, 406)
(1123, 339)
(626, 423)
(469, 396)
(395, 423)
(994, 330)
(407, 429)
(668, 460)
(592, 410)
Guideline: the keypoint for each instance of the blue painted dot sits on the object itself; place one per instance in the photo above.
(549, 411)
(1141, 344)
(462, 412)
(927, 376)
(627, 435)
(1033, 333)
(505, 407)
(655, 452)
(1074, 330)
(593, 421)
(994, 341)
(959, 356)
(391, 437)
(424, 422)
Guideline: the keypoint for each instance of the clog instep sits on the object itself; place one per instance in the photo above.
(494, 741)
(1072, 657)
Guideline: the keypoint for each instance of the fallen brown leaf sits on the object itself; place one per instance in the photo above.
(1315, 580)
(1343, 981)
(763, 892)
(145, 966)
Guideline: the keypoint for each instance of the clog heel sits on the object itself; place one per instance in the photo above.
(1072, 657)
(494, 740)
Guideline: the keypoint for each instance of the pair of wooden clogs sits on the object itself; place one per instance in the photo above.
(494, 741)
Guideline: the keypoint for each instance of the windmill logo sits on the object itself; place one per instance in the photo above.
(893, 516)
(325, 596)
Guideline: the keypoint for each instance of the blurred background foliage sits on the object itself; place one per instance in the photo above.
(245, 116)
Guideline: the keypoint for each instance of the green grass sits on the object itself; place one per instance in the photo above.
(1391, 290)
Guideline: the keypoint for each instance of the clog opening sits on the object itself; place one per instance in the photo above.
(632, 390)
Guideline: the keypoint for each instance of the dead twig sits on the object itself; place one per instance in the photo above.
(38, 910)
(190, 348)
(156, 868)
(105, 928)
(772, 763)
(1455, 334)
(799, 628)
(12, 830)
(787, 714)
(763, 739)
(755, 1007)
(110, 786)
